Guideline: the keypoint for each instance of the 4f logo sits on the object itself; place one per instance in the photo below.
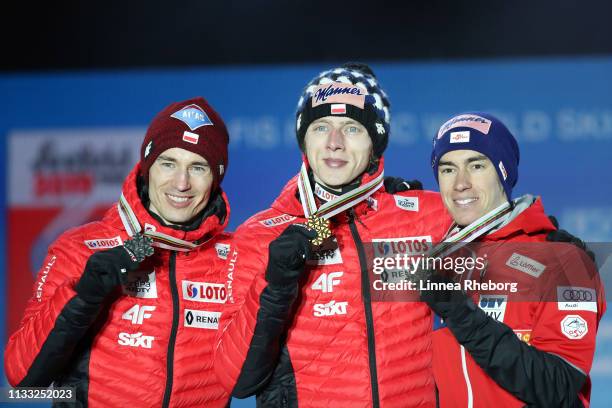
(380, 129)
(327, 281)
(138, 313)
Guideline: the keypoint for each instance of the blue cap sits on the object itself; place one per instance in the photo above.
(484, 133)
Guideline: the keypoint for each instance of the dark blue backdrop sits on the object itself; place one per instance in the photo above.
(560, 110)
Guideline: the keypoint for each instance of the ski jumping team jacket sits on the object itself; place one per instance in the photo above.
(152, 344)
(336, 348)
(562, 326)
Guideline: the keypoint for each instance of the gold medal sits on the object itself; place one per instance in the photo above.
(321, 226)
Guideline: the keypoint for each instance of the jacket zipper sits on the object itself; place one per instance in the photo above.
(466, 376)
(175, 321)
(367, 303)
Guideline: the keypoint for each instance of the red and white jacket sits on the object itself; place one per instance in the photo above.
(151, 344)
(563, 324)
(335, 346)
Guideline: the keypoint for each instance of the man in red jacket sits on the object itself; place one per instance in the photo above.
(129, 324)
(532, 345)
(300, 326)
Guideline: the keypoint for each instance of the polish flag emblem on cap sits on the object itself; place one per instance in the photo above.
(190, 137)
(338, 109)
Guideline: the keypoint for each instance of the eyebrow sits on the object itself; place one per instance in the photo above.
(344, 122)
(480, 157)
(173, 160)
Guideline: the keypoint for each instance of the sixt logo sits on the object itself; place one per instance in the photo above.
(193, 116)
(281, 219)
(330, 309)
(135, 340)
(204, 292)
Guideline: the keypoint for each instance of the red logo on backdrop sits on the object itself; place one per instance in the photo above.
(62, 183)
(58, 180)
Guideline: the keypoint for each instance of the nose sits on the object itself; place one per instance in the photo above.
(462, 181)
(335, 140)
(181, 180)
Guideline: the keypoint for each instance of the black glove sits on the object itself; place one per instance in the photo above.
(105, 270)
(397, 185)
(288, 254)
(561, 235)
(446, 303)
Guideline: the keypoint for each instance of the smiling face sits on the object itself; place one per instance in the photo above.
(338, 150)
(469, 185)
(179, 185)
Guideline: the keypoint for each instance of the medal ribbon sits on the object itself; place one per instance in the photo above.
(340, 203)
(469, 233)
(160, 240)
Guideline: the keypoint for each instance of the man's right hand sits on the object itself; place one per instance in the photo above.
(288, 254)
(105, 270)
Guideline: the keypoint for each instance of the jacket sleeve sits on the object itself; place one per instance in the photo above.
(534, 376)
(54, 321)
(553, 367)
(254, 319)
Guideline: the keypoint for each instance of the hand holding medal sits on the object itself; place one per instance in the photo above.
(321, 226)
(318, 219)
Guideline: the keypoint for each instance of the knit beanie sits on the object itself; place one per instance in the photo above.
(483, 133)
(351, 90)
(192, 125)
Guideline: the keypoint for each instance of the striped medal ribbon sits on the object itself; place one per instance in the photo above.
(318, 218)
(469, 233)
(160, 240)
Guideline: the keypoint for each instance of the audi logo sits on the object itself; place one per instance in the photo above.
(578, 295)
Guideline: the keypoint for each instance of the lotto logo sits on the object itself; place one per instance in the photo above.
(135, 340)
(204, 292)
(281, 219)
(103, 243)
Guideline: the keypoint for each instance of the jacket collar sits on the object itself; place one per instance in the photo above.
(137, 219)
(528, 218)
